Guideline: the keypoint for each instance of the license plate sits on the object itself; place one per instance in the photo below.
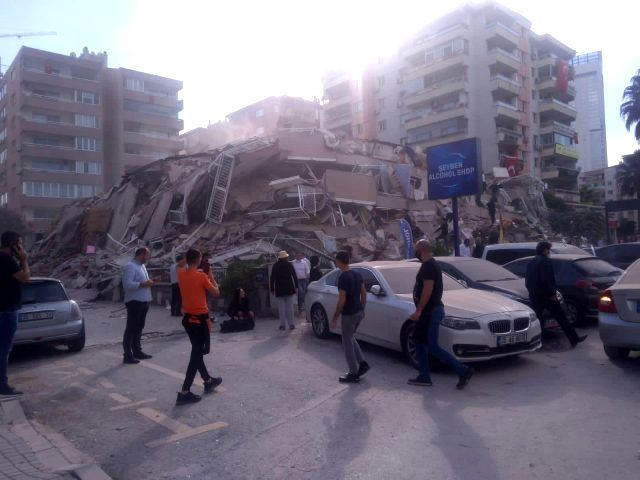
(34, 316)
(511, 339)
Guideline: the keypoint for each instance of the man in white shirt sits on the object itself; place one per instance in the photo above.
(465, 249)
(302, 266)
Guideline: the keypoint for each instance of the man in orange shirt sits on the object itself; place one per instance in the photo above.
(194, 285)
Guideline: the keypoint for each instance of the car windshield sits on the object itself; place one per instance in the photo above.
(402, 280)
(42, 292)
(483, 271)
(594, 267)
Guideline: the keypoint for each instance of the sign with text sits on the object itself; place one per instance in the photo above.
(453, 169)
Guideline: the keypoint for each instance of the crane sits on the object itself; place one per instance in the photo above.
(28, 34)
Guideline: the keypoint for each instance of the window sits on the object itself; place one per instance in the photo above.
(533, 94)
(92, 168)
(135, 84)
(46, 141)
(382, 125)
(357, 107)
(87, 97)
(3, 91)
(3, 113)
(381, 81)
(89, 144)
(45, 118)
(3, 134)
(260, 113)
(3, 156)
(50, 165)
(59, 190)
(535, 117)
(380, 104)
(368, 277)
(90, 121)
(332, 278)
(4, 199)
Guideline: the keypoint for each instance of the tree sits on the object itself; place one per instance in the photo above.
(11, 221)
(627, 227)
(576, 224)
(630, 108)
(587, 194)
(553, 202)
(629, 174)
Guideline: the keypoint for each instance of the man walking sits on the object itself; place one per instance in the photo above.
(303, 269)
(176, 299)
(541, 283)
(284, 285)
(137, 296)
(14, 271)
(351, 302)
(427, 296)
(194, 285)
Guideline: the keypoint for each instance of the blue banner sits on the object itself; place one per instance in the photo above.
(407, 235)
(453, 169)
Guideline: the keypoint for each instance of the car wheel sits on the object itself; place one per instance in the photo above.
(319, 322)
(408, 343)
(77, 344)
(574, 313)
(615, 353)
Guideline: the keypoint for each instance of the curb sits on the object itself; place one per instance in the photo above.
(54, 451)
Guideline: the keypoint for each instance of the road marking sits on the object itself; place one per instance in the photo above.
(106, 384)
(186, 434)
(132, 404)
(166, 371)
(161, 419)
(86, 371)
(119, 398)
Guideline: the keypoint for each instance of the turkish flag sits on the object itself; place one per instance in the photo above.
(562, 75)
(511, 164)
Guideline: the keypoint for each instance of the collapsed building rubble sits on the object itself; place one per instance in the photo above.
(302, 190)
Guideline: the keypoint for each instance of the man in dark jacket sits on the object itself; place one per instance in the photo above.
(315, 274)
(541, 284)
(284, 285)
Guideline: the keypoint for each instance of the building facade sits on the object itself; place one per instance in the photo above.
(590, 124)
(64, 131)
(480, 71)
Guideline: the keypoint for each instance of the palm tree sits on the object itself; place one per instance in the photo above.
(629, 173)
(630, 108)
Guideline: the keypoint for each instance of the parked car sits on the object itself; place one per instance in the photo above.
(49, 316)
(621, 255)
(619, 314)
(478, 325)
(502, 253)
(580, 280)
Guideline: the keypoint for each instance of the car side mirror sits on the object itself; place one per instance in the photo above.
(377, 291)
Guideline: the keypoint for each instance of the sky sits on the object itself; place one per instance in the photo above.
(231, 54)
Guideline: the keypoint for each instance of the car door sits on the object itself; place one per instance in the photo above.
(377, 325)
(518, 267)
(328, 293)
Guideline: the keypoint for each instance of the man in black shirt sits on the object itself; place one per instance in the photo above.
(351, 302)
(14, 271)
(315, 274)
(540, 281)
(427, 296)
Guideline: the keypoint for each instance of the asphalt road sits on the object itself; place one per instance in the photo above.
(557, 414)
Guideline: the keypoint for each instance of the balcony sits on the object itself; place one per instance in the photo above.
(150, 140)
(548, 85)
(333, 103)
(59, 128)
(455, 59)
(173, 123)
(504, 86)
(551, 126)
(63, 103)
(507, 136)
(155, 99)
(431, 40)
(335, 78)
(553, 109)
(439, 89)
(500, 34)
(64, 81)
(504, 61)
(562, 153)
(337, 122)
(506, 113)
(559, 173)
(428, 116)
(446, 137)
(546, 59)
(62, 152)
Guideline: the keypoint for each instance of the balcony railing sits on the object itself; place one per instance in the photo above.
(497, 23)
(505, 52)
(498, 103)
(437, 85)
(499, 76)
(439, 33)
(438, 60)
(427, 112)
(555, 101)
(74, 77)
(429, 136)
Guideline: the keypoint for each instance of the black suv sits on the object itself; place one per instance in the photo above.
(621, 255)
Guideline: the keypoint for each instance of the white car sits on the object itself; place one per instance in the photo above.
(478, 325)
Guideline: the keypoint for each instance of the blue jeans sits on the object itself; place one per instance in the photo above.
(8, 327)
(431, 346)
(302, 291)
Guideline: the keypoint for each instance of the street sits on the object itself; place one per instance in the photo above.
(281, 413)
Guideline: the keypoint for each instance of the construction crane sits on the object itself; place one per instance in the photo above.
(28, 34)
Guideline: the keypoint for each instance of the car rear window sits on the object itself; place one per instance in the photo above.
(42, 292)
(595, 267)
(569, 250)
(506, 255)
(402, 280)
(483, 271)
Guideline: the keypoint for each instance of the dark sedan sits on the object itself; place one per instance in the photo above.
(621, 255)
(580, 280)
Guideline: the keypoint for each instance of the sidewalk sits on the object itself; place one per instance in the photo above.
(30, 451)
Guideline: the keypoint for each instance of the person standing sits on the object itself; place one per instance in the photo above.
(541, 283)
(303, 268)
(194, 285)
(352, 300)
(315, 273)
(465, 250)
(137, 297)
(176, 299)
(427, 296)
(205, 266)
(284, 285)
(478, 249)
(14, 271)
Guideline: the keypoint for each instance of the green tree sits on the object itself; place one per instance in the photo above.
(587, 195)
(11, 221)
(575, 224)
(627, 227)
(630, 108)
(553, 202)
(629, 174)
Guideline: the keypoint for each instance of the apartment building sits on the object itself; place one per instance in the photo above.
(479, 71)
(590, 124)
(63, 130)
(263, 118)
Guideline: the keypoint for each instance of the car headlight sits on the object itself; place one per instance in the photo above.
(532, 317)
(456, 323)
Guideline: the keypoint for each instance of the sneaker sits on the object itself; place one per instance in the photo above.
(464, 379)
(364, 368)
(130, 360)
(211, 384)
(349, 378)
(292, 327)
(580, 340)
(281, 328)
(419, 381)
(185, 398)
(7, 390)
(142, 356)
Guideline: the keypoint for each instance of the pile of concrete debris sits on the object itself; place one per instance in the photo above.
(302, 190)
